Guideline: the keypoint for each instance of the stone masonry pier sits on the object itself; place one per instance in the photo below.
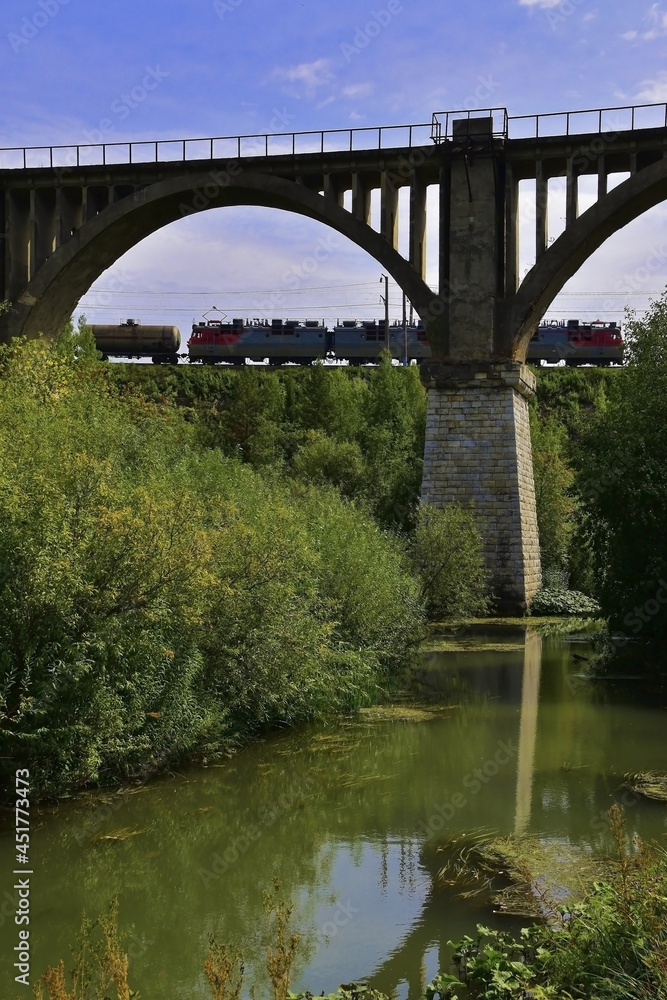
(478, 453)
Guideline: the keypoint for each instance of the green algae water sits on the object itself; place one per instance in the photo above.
(508, 736)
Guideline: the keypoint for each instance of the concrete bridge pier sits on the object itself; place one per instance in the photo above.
(478, 452)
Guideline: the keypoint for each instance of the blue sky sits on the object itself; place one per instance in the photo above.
(74, 71)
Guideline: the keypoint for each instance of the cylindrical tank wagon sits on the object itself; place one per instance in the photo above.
(132, 340)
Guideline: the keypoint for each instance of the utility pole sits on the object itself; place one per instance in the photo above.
(385, 278)
(405, 335)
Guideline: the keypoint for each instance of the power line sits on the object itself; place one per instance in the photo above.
(249, 291)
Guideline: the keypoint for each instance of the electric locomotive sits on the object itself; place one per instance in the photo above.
(577, 343)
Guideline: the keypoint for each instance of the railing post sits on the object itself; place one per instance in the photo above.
(321, 142)
(238, 147)
(183, 150)
(293, 143)
(211, 156)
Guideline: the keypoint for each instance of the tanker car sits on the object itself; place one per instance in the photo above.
(132, 340)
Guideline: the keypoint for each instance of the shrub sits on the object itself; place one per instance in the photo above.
(563, 602)
(447, 554)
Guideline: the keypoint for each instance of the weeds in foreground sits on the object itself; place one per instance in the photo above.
(224, 970)
(279, 962)
(99, 961)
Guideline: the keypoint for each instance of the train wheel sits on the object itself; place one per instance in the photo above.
(156, 359)
(274, 362)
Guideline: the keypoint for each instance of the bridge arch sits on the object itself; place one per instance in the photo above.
(626, 202)
(50, 298)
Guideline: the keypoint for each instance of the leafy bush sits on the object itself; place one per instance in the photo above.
(563, 602)
(161, 600)
(447, 554)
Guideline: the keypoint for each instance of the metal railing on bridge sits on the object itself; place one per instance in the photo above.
(552, 123)
(440, 129)
(217, 148)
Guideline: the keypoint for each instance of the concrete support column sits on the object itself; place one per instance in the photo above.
(602, 177)
(361, 199)
(511, 232)
(572, 194)
(71, 211)
(45, 225)
(541, 208)
(418, 224)
(21, 249)
(478, 452)
(333, 189)
(388, 209)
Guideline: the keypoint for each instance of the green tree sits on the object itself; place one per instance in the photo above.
(623, 482)
(554, 479)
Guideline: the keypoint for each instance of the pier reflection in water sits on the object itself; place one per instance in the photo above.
(349, 817)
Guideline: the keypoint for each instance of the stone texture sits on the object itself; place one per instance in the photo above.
(478, 452)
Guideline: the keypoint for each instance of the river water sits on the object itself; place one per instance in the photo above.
(349, 818)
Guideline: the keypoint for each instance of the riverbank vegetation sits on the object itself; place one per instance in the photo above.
(163, 600)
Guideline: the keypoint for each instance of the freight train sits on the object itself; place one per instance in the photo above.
(278, 341)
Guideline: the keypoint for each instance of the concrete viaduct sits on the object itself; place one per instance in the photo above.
(68, 213)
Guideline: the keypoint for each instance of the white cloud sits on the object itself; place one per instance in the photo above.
(539, 3)
(656, 18)
(307, 78)
(654, 91)
(358, 90)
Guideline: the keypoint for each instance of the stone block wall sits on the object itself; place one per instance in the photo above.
(478, 451)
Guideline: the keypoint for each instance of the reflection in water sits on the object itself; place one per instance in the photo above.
(530, 696)
(349, 817)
